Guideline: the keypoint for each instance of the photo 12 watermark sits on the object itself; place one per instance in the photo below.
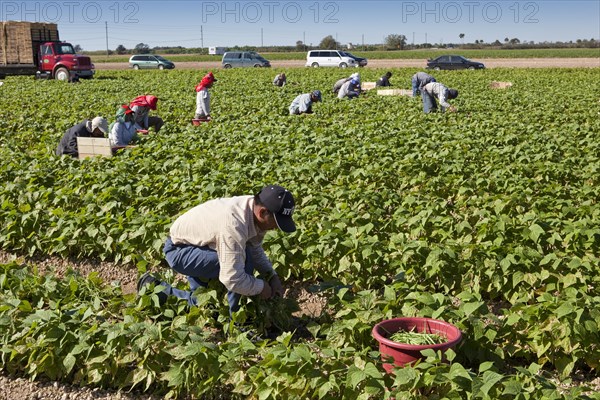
(469, 12)
(270, 12)
(70, 11)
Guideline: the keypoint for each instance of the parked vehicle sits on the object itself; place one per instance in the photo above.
(244, 59)
(453, 62)
(329, 58)
(34, 48)
(362, 62)
(149, 61)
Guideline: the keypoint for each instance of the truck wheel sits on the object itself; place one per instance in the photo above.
(136, 67)
(61, 74)
(161, 67)
(315, 65)
(227, 66)
(343, 65)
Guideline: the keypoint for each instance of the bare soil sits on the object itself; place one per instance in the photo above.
(311, 305)
(401, 63)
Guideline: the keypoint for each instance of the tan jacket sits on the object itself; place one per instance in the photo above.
(227, 226)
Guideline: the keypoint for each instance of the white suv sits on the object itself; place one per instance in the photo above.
(329, 58)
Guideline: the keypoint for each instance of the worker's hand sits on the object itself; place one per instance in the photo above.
(452, 109)
(276, 286)
(266, 293)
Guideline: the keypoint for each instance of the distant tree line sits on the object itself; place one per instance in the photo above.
(391, 42)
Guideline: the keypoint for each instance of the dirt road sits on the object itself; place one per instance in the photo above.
(403, 63)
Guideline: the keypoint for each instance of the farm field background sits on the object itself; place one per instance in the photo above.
(487, 218)
(387, 55)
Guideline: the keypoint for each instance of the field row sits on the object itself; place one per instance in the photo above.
(487, 218)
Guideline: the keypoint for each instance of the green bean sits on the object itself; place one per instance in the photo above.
(417, 338)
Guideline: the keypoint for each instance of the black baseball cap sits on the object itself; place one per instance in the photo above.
(452, 93)
(281, 203)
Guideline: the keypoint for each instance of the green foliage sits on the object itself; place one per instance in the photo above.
(487, 218)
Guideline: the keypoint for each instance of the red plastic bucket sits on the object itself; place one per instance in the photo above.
(401, 353)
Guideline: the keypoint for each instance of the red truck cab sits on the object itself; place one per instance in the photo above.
(58, 60)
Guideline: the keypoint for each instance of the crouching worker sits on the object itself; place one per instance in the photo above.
(436, 90)
(141, 107)
(222, 239)
(124, 130)
(419, 80)
(339, 83)
(384, 80)
(97, 127)
(280, 80)
(203, 97)
(302, 104)
(350, 89)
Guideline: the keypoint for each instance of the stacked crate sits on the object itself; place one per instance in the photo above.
(19, 40)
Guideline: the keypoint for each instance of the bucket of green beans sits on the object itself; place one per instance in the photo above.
(401, 340)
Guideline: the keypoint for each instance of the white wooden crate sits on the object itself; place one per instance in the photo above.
(90, 146)
(368, 85)
(500, 85)
(394, 92)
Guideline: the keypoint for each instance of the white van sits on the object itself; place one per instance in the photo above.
(329, 58)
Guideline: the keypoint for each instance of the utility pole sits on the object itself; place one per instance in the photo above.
(425, 37)
(201, 38)
(413, 39)
(304, 39)
(261, 38)
(106, 28)
(363, 42)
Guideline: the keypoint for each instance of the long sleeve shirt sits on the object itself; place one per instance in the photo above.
(140, 116)
(227, 226)
(338, 84)
(122, 133)
(383, 81)
(436, 89)
(349, 90)
(279, 80)
(203, 103)
(419, 80)
(68, 143)
(301, 104)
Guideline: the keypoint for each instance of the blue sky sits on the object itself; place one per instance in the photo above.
(274, 22)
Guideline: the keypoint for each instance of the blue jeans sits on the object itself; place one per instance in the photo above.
(415, 87)
(200, 265)
(429, 102)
